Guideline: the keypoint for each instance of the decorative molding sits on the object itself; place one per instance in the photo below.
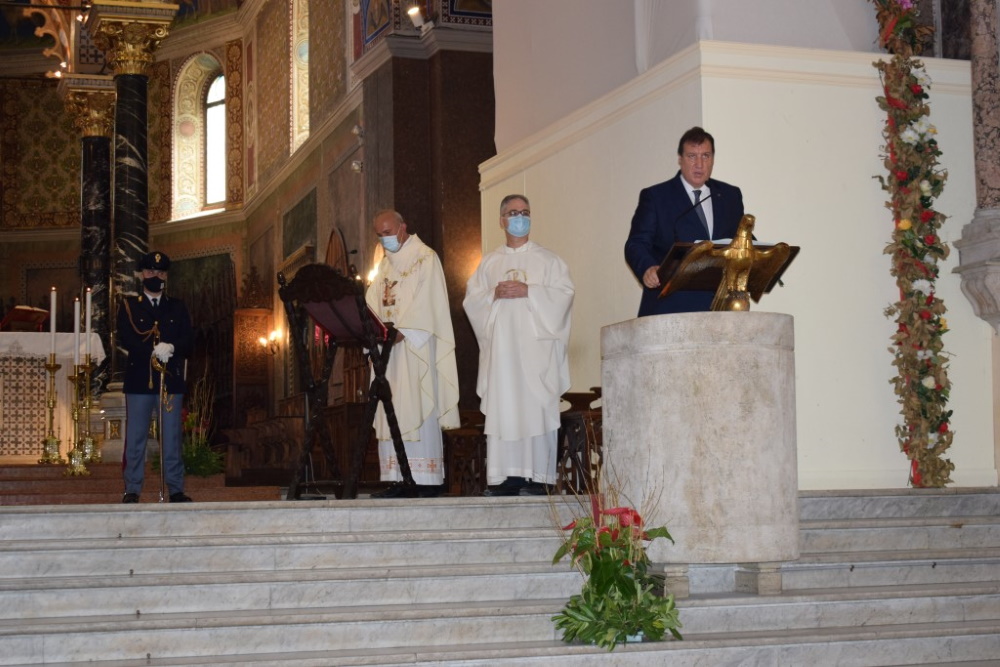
(200, 36)
(421, 46)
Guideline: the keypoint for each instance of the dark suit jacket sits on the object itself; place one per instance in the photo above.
(135, 319)
(663, 216)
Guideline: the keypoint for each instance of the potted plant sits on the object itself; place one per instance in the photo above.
(620, 600)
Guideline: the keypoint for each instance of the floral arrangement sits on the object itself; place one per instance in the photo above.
(620, 598)
(913, 182)
(197, 454)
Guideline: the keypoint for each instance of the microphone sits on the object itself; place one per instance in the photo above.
(694, 206)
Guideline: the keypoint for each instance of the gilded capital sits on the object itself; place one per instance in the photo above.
(93, 113)
(128, 45)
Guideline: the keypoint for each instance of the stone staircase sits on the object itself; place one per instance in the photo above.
(50, 485)
(885, 578)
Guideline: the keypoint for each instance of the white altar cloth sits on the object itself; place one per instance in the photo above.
(38, 346)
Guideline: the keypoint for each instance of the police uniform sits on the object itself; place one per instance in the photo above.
(141, 325)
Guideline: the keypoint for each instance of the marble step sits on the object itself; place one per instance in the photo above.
(217, 592)
(968, 532)
(222, 494)
(263, 553)
(473, 634)
(888, 568)
(282, 517)
(898, 503)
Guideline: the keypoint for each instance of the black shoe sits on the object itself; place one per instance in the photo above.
(429, 490)
(510, 487)
(130, 498)
(179, 497)
(397, 490)
(535, 489)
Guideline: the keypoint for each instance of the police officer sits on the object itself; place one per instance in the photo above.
(155, 329)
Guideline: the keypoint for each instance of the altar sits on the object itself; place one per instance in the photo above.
(24, 414)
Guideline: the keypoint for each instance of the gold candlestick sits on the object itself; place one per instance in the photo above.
(50, 445)
(91, 450)
(77, 455)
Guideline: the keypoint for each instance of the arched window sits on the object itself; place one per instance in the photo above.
(215, 142)
(199, 133)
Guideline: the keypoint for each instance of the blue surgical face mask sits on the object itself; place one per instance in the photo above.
(390, 243)
(518, 225)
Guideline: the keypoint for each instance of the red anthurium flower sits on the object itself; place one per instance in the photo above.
(571, 525)
(626, 515)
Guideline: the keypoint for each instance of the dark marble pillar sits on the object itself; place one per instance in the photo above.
(90, 100)
(128, 34)
(95, 232)
(131, 192)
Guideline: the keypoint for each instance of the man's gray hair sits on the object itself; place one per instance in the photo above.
(382, 211)
(509, 198)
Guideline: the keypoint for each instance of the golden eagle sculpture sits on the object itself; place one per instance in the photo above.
(747, 272)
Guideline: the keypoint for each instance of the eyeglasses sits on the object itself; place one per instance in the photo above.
(511, 214)
(694, 157)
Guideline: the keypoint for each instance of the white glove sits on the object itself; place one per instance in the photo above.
(163, 351)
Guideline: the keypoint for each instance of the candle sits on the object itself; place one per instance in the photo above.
(76, 332)
(88, 324)
(52, 319)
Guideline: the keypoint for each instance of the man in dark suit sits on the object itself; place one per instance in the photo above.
(155, 330)
(690, 207)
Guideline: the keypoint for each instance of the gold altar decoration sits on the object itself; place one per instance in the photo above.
(85, 447)
(737, 272)
(50, 445)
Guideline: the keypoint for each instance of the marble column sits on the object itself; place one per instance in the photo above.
(90, 101)
(128, 33)
(979, 247)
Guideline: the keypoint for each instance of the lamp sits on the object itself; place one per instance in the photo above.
(417, 17)
(270, 342)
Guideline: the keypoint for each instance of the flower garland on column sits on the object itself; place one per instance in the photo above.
(913, 182)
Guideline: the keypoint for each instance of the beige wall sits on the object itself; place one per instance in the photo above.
(553, 57)
(799, 131)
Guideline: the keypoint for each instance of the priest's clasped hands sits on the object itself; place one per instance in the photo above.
(511, 289)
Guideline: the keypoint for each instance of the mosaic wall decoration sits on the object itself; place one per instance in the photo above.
(39, 158)
(250, 120)
(273, 108)
(328, 59)
(160, 124)
(375, 18)
(234, 122)
(23, 413)
(467, 12)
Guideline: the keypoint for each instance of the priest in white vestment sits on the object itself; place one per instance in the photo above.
(409, 290)
(519, 302)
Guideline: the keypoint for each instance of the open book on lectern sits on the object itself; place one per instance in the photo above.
(341, 318)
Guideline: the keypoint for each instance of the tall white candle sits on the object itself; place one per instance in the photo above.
(76, 331)
(88, 323)
(52, 319)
